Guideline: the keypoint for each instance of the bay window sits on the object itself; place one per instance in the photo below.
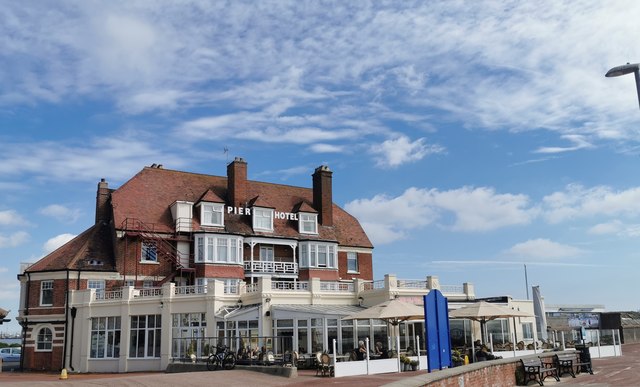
(318, 255)
(212, 248)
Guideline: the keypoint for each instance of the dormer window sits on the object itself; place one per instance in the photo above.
(308, 223)
(212, 214)
(262, 219)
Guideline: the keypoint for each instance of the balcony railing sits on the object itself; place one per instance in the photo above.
(452, 289)
(147, 292)
(101, 295)
(412, 284)
(287, 285)
(271, 267)
(327, 286)
(195, 289)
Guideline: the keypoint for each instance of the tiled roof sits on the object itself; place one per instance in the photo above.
(149, 194)
(91, 250)
(210, 196)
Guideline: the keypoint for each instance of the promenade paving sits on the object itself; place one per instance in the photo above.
(614, 371)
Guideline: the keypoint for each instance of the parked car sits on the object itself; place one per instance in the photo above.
(10, 354)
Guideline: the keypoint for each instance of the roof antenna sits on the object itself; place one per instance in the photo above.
(226, 152)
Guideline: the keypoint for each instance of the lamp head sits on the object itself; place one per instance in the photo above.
(622, 70)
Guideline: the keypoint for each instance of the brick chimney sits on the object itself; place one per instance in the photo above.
(323, 195)
(102, 202)
(237, 182)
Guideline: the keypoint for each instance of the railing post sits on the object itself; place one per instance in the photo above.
(469, 291)
(433, 282)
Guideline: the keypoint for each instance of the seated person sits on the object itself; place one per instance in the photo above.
(379, 350)
(483, 354)
(361, 352)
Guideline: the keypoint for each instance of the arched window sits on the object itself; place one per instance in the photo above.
(45, 340)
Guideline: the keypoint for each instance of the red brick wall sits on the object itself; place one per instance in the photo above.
(365, 266)
(127, 252)
(47, 361)
(324, 275)
(219, 271)
(59, 288)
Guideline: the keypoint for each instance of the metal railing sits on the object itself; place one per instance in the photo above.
(250, 350)
(452, 289)
(412, 284)
(271, 267)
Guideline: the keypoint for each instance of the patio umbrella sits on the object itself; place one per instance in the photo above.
(484, 311)
(392, 311)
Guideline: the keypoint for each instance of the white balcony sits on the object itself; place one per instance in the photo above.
(271, 268)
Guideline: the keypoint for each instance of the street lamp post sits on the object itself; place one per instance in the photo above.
(626, 69)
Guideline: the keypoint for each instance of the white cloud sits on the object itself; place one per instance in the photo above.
(387, 219)
(482, 209)
(577, 202)
(579, 142)
(57, 241)
(61, 213)
(13, 240)
(544, 249)
(326, 148)
(395, 152)
(613, 227)
(84, 161)
(11, 218)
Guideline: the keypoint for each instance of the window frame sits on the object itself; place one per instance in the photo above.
(269, 253)
(306, 218)
(106, 338)
(214, 208)
(527, 330)
(151, 342)
(148, 252)
(46, 286)
(260, 213)
(42, 343)
(352, 257)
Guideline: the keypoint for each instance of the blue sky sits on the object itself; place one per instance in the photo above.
(469, 138)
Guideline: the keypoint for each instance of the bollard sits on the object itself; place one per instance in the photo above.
(63, 374)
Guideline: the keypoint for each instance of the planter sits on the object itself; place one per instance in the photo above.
(414, 367)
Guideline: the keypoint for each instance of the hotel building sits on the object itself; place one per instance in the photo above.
(174, 256)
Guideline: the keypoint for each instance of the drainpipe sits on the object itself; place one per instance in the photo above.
(25, 323)
(66, 322)
(73, 311)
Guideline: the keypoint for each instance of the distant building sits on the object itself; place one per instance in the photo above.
(176, 256)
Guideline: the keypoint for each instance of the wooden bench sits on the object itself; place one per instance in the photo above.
(537, 370)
